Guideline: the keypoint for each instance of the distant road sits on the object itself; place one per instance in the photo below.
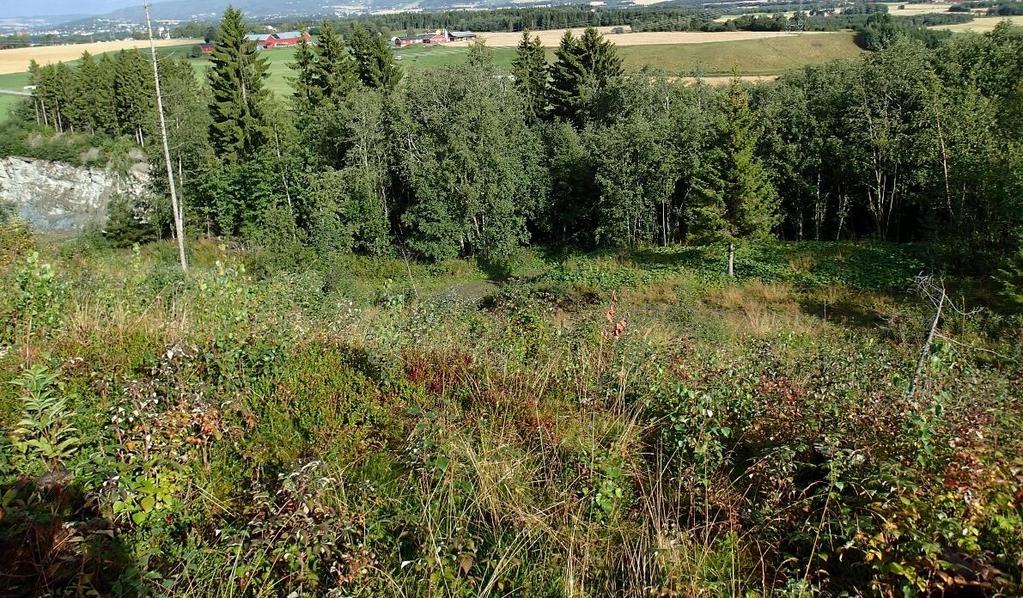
(11, 92)
(16, 60)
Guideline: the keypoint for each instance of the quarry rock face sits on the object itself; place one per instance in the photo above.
(55, 196)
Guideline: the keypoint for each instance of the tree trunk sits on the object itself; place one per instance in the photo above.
(178, 225)
(731, 259)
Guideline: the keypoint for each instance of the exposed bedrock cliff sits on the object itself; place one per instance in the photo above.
(61, 197)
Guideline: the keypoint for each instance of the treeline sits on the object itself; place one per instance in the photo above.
(880, 30)
(908, 143)
(514, 19)
(864, 23)
(993, 8)
(676, 18)
(22, 40)
(111, 95)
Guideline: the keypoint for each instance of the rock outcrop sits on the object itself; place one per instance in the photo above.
(60, 197)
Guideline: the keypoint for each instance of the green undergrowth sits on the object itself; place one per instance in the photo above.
(79, 149)
(629, 423)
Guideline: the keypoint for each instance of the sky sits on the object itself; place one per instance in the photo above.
(37, 8)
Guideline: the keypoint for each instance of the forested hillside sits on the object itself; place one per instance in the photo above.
(906, 144)
(573, 332)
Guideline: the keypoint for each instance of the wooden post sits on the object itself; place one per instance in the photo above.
(731, 259)
(178, 225)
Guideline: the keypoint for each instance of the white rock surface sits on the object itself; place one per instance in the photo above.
(60, 197)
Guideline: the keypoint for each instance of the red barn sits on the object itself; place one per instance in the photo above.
(285, 39)
(269, 41)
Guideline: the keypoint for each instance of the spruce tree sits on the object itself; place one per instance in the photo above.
(583, 68)
(104, 114)
(334, 67)
(530, 72)
(567, 77)
(133, 95)
(736, 198)
(41, 78)
(307, 91)
(599, 57)
(94, 95)
(374, 59)
(64, 94)
(82, 87)
(238, 96)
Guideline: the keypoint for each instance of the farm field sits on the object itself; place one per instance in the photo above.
(901, 9)
(754, 57)
(10, 82)
(747, 57)
(750, 58)
(7, 102)
(18, 59)
(726, 18)
(981, 24)
(551, 37)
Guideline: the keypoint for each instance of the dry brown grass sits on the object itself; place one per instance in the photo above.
(17, 60)
(761, 309)
(550, 38)
(738, 297)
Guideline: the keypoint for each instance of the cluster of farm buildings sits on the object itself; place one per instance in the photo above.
(441, 36)
(269, 41)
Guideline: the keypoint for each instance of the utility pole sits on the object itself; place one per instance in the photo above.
(179, 227)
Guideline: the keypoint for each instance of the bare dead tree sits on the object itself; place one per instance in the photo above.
(179, 227)
(933, 291)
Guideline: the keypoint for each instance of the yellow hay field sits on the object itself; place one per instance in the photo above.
(909, 10)
(981, 24)
(17, 60)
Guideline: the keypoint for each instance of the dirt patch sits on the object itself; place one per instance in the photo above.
(16, 60)
(551, 37)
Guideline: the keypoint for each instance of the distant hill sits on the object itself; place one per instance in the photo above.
(205, 9)
(184, 10)
(55, 9)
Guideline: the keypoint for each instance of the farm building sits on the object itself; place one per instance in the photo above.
(441, 36)
(285, 39)
(206, 48)
(268, 41)
(259, 38)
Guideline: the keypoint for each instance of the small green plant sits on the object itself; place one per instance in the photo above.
(36, 301)
(1010, 278)
(144, 497)
(44, 431)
